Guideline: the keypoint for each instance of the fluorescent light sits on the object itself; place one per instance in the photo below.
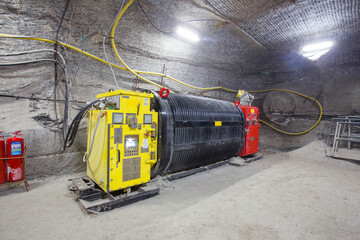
(316, 50)
(187, 34)
(317, 46)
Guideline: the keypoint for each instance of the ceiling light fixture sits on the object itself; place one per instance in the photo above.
(316, 50)
(187, 34)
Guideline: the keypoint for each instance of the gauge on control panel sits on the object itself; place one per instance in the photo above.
(118, 118)
(147, 118)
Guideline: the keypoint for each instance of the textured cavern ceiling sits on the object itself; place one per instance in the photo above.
(286, 24)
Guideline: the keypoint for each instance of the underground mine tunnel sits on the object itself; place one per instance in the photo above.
(192, 119)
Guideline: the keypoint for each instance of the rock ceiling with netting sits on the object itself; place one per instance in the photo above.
(290, 23)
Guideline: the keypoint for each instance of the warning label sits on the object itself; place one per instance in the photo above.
(15, 148)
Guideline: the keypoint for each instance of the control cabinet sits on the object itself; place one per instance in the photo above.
(125, 141)
(252, 126)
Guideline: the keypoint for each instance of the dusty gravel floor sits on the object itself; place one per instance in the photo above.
(296, 195)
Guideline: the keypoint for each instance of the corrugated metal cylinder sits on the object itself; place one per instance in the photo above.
(188, 137)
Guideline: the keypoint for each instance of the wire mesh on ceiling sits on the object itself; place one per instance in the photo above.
(289, 23)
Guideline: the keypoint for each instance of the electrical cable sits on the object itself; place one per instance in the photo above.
(68, 84)
(82, 50)
(57, 35)
(46, 50)
(74, 126)
(114, 65)
(72, 79)
(33, 98)
(39, 51)
(66, 109)
(38, 61)
(204, 20)
(73, 100)
(296, 93)
(33, 51)
(187, 21)
(3, 64)
(56, 76)
(142, 9)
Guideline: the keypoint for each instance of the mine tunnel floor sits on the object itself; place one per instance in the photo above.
(295, 195)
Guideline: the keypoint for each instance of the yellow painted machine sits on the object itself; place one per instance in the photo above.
(133, 137)
(122, 140)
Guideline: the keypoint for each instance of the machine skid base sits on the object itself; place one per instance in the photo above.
(187, 173)
(253, 157)
(94, 200)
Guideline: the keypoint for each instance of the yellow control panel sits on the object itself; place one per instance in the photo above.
(125, 141)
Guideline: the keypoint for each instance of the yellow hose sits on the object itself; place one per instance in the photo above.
(114, 46)
(136, 72)
(300, 94)
(114, 65)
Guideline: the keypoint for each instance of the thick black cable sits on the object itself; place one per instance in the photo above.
(56, 69)
(74, 126)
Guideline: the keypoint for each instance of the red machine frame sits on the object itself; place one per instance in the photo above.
(252, 126)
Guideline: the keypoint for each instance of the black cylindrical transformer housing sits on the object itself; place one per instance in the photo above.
(196, 131)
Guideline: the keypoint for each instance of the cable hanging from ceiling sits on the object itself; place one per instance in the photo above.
(187, 21)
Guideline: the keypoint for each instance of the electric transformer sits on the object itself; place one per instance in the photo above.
(140, 135)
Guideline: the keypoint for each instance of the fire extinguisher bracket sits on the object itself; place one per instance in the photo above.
(14, 159)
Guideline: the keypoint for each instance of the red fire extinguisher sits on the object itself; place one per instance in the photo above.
(15, 150)
(2, 160)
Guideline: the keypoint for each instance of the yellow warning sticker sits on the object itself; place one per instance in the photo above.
(252, 110)
(218, 123)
